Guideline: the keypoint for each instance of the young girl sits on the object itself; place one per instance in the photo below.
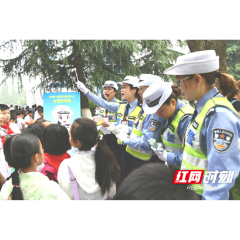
(55, 145)
(24, 153)
(96, 171)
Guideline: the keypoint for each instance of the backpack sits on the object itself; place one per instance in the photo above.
(49, 171)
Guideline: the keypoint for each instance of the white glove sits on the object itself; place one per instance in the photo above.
(161, 153)
(82, 87)
(123, 127)
(120, 137)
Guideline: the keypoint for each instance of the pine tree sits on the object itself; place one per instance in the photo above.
(95, 60)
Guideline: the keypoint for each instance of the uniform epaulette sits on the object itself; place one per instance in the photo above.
(210, 111)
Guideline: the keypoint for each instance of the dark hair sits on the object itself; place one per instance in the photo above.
(18, 150)
(136, 93)
(40, 109)
(37, 129)
(3, 107)
(29, 111)
(56, 139)
(13, 116)
(176, 94)
(19, 112)
(11, 105)
(153, 181)
(107, 168)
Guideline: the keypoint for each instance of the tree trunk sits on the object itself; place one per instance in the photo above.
(220, 46)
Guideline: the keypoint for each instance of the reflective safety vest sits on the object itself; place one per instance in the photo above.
(137, 133)
(131, 117)
(170, 138)
(193, 158)
(110, 114)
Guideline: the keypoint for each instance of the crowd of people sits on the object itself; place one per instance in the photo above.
(154, 131)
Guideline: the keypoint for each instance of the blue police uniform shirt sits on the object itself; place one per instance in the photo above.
(101, 115)
(151, 129)
(228, 160)
(176, 158)
(112, 106)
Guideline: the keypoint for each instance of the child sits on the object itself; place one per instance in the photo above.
(4, 169)
(20, 121)
(13, 118)
(10, 128)
(28, 118)
(24, 153)
(96, 171)
(55, 145)
(40, 112)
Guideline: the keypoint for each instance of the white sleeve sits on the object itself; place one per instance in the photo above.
(112, 190)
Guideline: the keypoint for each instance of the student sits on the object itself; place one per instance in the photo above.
(40, 112)
(24, 153)
(4, 169)
(11, 108)
(153, 182)
(37, 115)
(37, 129)
(164, 100)
(144, 128)
(211, 141)
(44, 122)
(55, 145)
(13, 118)
(28, 119)
(10, 128)
(126, 111)
(96, 171)
(20, 121)
(2, 180)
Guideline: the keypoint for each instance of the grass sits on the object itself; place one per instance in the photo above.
(236, 189)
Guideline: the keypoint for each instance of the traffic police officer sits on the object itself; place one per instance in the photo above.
(144, 128)
(211, 139)
(127, 112)
(163, 100)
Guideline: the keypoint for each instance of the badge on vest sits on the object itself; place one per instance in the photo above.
(195, 124)
(131, 117)
(154, 125)
(222, 139)
(119, 114)
(171, 127)
(102, 111)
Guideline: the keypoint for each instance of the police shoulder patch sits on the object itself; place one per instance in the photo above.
(154, 125)
(222, 139)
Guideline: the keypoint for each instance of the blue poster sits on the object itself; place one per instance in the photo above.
(62, 107)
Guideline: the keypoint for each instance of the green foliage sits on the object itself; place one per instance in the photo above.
(233, 58)
(95, 60)
(91, 104)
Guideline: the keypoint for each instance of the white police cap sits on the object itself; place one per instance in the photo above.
(110, 83)
(195, 63)
(62, 109)
(130, 80)
(148, 79)
(155, 95)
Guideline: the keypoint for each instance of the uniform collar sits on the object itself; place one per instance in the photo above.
(113, 100)
(206, 97)
(134, 102)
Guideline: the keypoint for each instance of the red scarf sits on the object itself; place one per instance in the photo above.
(56, 160)
(9, 130)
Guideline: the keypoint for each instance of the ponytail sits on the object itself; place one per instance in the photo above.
(107, 168)
(18, 151)
(176, 94)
